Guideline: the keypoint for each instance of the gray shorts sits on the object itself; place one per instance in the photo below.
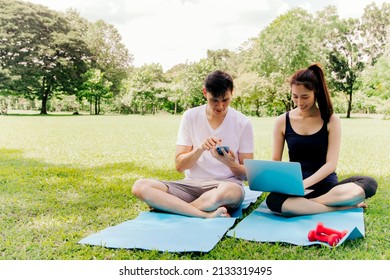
(189, 190)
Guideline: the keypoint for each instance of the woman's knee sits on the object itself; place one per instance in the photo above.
(275, 201)
(368, 184)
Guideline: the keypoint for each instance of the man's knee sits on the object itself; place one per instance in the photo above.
(230, 194)
(139, 187)
(142, 187)
(229, 188)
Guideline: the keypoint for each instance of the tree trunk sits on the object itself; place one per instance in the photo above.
(44, 105)
(257, 108)
(96, 105)
(349, 104)
(45, 97)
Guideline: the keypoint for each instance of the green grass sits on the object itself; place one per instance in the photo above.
(63, 178)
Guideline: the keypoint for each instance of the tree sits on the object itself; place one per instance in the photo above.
(143, 89)
(175, 87)
(109, 54)
(346, 58)
(354, 45)
(375, 29)
(95, 88)
(192, 83)
(224, 60)
(250, 90)
(376, 78)
(40, 51)
(289, 43)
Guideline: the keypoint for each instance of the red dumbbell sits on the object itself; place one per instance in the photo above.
(332, 239)
(323, 230)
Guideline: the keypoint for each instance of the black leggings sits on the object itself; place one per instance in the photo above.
(275, 201)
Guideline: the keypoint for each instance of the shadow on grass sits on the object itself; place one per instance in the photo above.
(42, 115)
(47, 207)
(33, 113)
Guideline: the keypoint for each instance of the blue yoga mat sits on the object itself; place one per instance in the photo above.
(169, 232)
(264, 226)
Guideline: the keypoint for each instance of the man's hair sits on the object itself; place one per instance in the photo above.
(217, 83)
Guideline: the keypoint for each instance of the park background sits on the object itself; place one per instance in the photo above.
(80, 123)
(52, 61)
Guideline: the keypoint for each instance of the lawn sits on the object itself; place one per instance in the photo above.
(63, 178)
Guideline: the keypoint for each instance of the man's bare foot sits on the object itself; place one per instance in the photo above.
(362, 205)
(221, 212)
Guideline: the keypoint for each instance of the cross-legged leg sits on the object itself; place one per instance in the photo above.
(155, 194)
(348, 194)
(227, 194)
(295, 206)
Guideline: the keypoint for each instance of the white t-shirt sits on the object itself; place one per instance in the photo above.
(236, 131)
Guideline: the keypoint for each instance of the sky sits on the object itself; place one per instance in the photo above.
(170, 32)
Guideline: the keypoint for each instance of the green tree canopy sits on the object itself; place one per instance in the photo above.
(41, 52)
(95, 88)
(109, 53)
(143, 89)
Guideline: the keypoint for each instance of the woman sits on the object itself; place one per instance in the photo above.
(312, 133)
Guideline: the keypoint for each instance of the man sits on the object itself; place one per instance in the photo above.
(213, 183)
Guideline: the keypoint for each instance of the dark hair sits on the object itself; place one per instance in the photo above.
(217, 83)
(313, 78)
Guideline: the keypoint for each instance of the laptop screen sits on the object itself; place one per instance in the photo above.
(275, 176)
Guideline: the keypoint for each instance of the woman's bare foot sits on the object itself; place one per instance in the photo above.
(359, 205)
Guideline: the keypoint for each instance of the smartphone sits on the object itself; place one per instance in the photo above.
(219, 149)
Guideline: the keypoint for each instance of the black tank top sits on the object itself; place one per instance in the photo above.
(309, 150)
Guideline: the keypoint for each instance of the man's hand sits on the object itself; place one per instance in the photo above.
(210, 143)
(228, 158)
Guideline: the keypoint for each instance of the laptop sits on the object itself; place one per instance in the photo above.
(275, 176)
